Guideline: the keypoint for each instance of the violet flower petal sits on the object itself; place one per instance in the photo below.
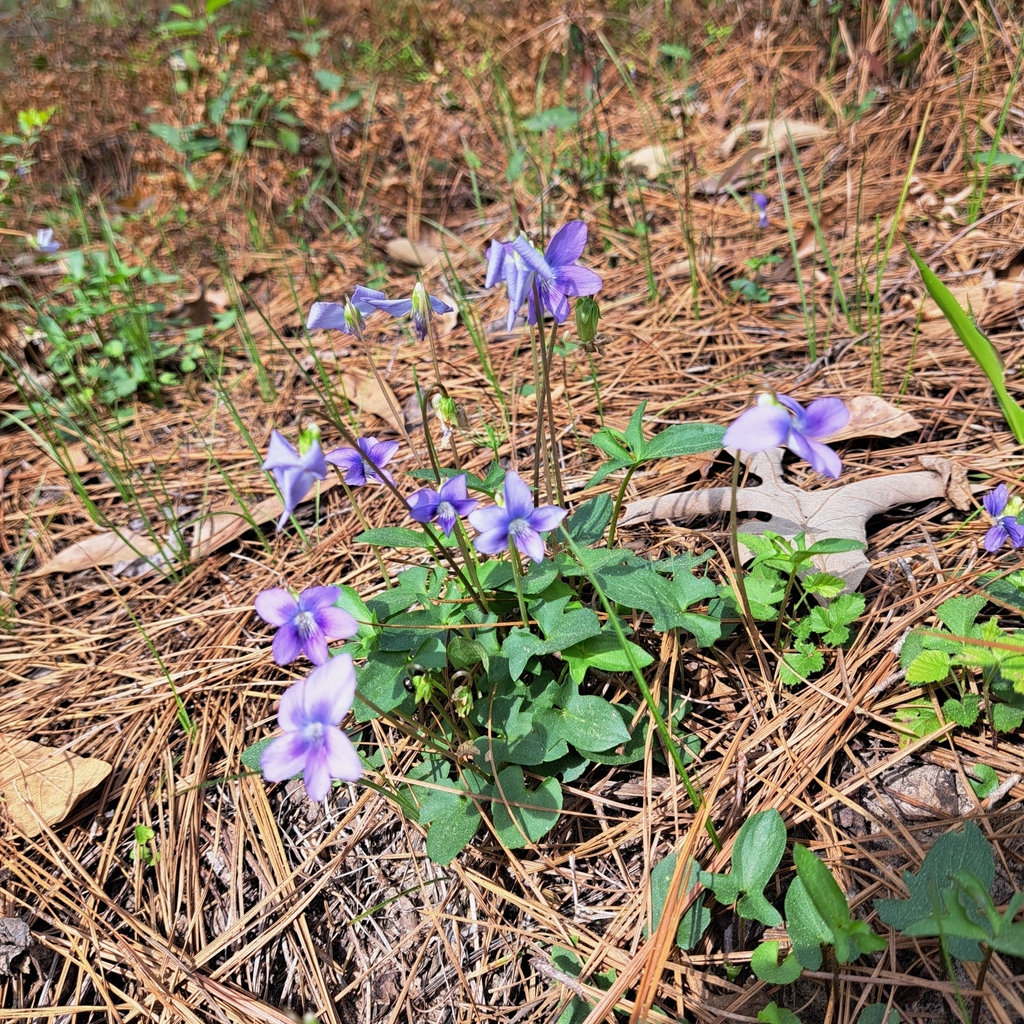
(287, 644)
(284, 757)
(821, 458)
(824, 417)
(567, 244)
(491, 542)
(578, 280)
(518, 496)
(530, 543)
(276, 606)
(995, 501)
(486, 520)
(342, 760)
(546, 518)
(758, 428)
(995, 537)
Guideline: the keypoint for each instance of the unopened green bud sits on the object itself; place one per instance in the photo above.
(420, 310)
(308, 436)
(354, 319)
(587, 315)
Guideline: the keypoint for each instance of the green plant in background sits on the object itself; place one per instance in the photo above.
(16, 149)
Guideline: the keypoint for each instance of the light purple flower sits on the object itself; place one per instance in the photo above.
(312, 743)
(997, 504)
(517, 523)
(293, 473)
(780, 420)
(357, 472)
(761, 202)
(331, 315)
(305, 623)
(419, 304)
(45, 242)
(445, 505)
(556, 274)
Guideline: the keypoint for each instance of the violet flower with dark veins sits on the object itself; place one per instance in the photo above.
(779, 420)
(295, 472)
(357, 472)
(313, 745)
(518, 523)
(445, 505)
(1004, 511)
(305, 623)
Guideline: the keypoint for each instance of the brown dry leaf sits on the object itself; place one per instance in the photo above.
(736, 174)
(195, 310)
(375, 396)
(15, 938)
(137, 202)
(42, 783)
(442, 324)
(954, 477)
(775, 134)
(841, 511)
(100, 549)
(651, 161)
(219, 528)
(413, 254)
(871, 416)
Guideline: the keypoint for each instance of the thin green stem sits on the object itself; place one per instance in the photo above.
(618, 504)
(741, 587)
(517, 573)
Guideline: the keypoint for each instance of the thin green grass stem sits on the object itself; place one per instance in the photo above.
(517, 576)
(612, 526)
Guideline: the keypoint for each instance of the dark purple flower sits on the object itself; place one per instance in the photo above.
(444, 505)
(517, 523)
(1004, 511)
(761, 202)
(305, 623)
(357, 472)
(293, 473)
(556, 274)
(345, 317)
(782, 421)
(312, 743)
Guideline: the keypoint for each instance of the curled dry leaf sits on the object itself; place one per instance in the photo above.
(839, 512)
(871, 416)
(41, 784)
(101, 549)
(774, 134)
(15, 938)
(413, 254)
(651, 161)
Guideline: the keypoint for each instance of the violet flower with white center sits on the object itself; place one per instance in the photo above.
(357, 472)
(1004, 511)
(445, 505)
(556, 274)
(45, 242)
(420, 304)
(344, 316)
(780, 420)
(517, 523)
(305, 623)
(309, 713)
(295, 472)
(761, 202)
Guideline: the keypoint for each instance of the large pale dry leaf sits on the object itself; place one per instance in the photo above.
(41, 784)
(871, 416)
(841, 512)
(774, 134)
(651, 161)
(368, 394)
(413, 254)
(983, 300)
(100, 549)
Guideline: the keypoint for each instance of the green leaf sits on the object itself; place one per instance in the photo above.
(381, 680)
(835, 546)
(697, 917)
(466, 653)
(291, 141)
(808, 931)
(394, 537)
(522, 816)
(823, 584)
(252, 754)
(329, 81)
(555, 117)
(684, 439)
(764, 962)
(965, 712)
(756, 853)
(604, 652)
(875, 1013)
(610, 443)
(987, 778)
(453, 818)
(929, 667)
(981, 349)
(587, 524)
(958, 613)
(1006, 718)
(592, 723)
(773, 1014)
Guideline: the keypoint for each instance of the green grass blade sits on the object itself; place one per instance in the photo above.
(981, 349)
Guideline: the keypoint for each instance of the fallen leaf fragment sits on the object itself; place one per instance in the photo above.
(871, 416)
(413, 254)
(41, 784)
(98, 550)
(651, 161)
(774, 134)
(15, 938)
(375, 396)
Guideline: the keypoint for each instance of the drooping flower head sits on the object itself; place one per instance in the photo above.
(295, 470)
(420, 304)
(761, 202)
(555, 272)
(45, 242)
(517, 523)
(444, 505)
(779, 420)
(305, 623)
(346, 317)
(1004, 511)
(357, 472)
(312, 744)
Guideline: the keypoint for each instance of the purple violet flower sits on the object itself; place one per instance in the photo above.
(332, 315)
(305, 623)
(517, 523)
(556, 273)
(45, 242)
(775, 421)
(1004, 511)
(420, 304)
(357, 472)
(294, 473)
(444, 505)
(312, 744)
(761, 202)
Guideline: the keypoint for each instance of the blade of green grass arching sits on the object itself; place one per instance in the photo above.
(809, 317)
(981, 349)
